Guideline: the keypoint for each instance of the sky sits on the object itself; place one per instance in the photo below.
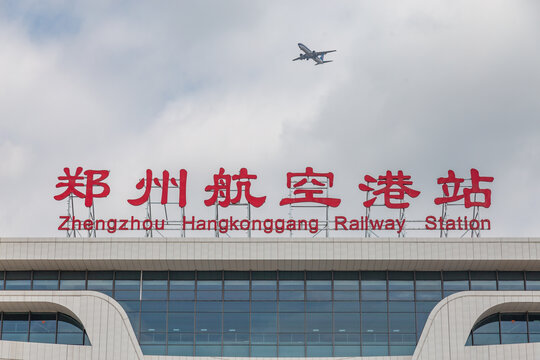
(419, 86)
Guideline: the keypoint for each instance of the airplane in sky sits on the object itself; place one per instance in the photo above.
(317, 56)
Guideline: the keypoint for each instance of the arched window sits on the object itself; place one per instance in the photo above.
(50, 328)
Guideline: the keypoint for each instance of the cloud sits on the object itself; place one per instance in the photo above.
(425, 86)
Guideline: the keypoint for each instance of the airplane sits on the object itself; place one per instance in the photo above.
(317, 56)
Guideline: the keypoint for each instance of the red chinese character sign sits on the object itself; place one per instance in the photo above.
(468, 194)
(163, 184)
(309, 185)
(394, 191)
(393, 188)
(221, 189)
(86, 183)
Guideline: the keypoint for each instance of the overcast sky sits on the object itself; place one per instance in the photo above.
(422, 86)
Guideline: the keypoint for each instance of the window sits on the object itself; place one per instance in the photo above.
(51, 328)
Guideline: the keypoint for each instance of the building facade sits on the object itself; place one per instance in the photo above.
(179, 298)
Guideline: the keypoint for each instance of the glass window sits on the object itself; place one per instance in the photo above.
(66, 324)
(346, 295)
(425, 306)
(373, 280)
(428, 280)
(291, 351)
(182, 280)
(346, 280)
(45, 280)
(319, 351)
(209, 280)
(346, 322)
(236, 280)
(534, 323)
(401, 306)
(374, 306)
(402, 322)
(291, 280)
(513, 323)
(291, 322)
(421, 319)
(298, 338)
(237, 322)
(236, 351)
(263, 295)
(127, 295)
(396, 350)
(100, 280)
(401, 295)
(43, 323)
(15, 327)
(318, 280)
(209, 295)
(489, 325)
(319, 295)
(511, 280)
(181, 295)
(156, 306)
(319, 306)
(291, 295)
(243, 306)
(209, 306)
(486, 339)
(263, 338)
(263, 351)
(401, 280)
(483, 280)
(264, 280)
(153, 322)
(155, 280)
(70, 338)
(154, 295)
(181, 322)
(347, 306)
(182, 306)
(319, 322)
(18, 280)
(127, 280)
(533, 280)
(72, 280)
(208, 338)
(180, 338)
(208, 322)
(264, 322)
(179, 350)
(346, 351)
(373, 295)
(236, 295)
(207, 350)
(291, 306)
(236, 338)
(455, 281)
(428, 295)
(374, 322)
(513, 338)
(402, 339)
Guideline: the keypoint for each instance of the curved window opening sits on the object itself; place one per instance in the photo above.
(506, 328)
(48, 328)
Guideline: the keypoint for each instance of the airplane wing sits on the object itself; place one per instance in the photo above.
(319, 53)
(324, 62)
(298, 58)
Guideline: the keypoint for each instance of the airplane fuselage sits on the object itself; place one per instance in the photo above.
(310, 54)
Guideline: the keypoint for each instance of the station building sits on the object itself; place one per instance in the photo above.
(239, 298)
